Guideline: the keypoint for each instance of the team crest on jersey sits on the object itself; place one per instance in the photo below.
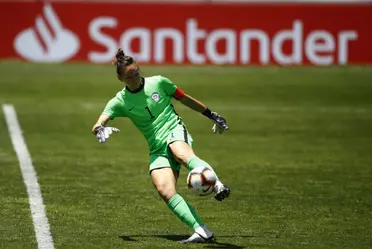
(155, 96)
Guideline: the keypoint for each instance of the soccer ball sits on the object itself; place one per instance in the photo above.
(201, 180)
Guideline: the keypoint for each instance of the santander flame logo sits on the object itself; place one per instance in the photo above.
(48, 41)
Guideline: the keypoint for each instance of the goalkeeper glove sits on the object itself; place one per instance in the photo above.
(103, 133)
(220, 124)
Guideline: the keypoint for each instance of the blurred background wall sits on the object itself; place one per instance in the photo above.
(239, 32)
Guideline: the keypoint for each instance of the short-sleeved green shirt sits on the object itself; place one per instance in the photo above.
(150, 109)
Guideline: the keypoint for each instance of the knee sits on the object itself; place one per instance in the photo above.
(183, 157)
(165, 191)
(182, 152)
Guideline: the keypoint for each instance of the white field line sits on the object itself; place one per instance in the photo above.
(41, 225)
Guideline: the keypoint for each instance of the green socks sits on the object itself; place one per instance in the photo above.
(184, 211)
(194, 162)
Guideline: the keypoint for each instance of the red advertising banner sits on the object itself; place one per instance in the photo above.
(236, 34)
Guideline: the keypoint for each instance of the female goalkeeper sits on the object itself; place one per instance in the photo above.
(147, 102)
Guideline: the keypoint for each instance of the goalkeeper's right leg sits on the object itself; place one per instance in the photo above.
(184, 154)
(222, 191)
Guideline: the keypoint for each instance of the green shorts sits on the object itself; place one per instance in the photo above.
(163, 158)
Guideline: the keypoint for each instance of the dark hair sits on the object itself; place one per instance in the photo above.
(121, 60)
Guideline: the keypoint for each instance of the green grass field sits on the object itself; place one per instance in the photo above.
(298, 158)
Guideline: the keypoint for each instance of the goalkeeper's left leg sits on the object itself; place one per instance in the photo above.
(165, 182)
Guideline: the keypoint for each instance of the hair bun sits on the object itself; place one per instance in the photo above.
(120, 54)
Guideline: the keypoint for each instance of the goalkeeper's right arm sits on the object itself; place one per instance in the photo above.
(102, 121)
(101, 132)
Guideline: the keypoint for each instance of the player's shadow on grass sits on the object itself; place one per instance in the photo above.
(215, 245)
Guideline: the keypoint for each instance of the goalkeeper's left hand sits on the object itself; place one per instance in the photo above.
(220, 124)
(103, 133)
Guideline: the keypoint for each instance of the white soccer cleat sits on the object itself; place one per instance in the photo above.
(197, 238)
(222, 191)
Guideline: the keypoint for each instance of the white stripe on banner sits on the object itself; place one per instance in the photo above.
(41, 225)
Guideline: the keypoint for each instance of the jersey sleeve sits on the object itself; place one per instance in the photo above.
(168, 86)
(114, 109)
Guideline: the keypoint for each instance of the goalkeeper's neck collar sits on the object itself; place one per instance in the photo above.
(142, 84)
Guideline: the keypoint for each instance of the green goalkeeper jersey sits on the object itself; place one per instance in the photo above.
(149, 108)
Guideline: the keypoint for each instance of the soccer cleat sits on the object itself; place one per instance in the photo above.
(222, 191)
(197, 238)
